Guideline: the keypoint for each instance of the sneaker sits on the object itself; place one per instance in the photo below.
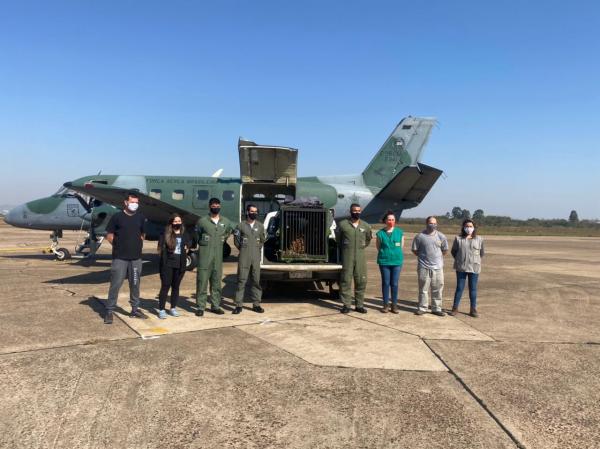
(474, 313)
(438, 313)
(173, 312)
(394, 309)
(137, 313)
(385, 308)
(420, 312)
(108, 318)
(162, 314)
(453, 312)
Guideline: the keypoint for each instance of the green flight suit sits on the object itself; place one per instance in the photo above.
(211, 238)
(353, 242)
(249, 240)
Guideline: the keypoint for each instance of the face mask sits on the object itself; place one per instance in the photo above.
(252, 216)
(355, 215)
(177, 226)
(132, 206)
(215, 210)
(432, 226)
(469, 230)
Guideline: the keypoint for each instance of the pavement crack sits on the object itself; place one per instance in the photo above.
(60, 287)
(550, 342)
(75, 345)
(477, 399)
(474, 328)
(386, 326)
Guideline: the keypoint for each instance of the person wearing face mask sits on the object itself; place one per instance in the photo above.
(125, 232)
(467, 251)
(213, 231)
(249, 237)
(390, 241)
(353, 236)
(172, 247)
(430, 246)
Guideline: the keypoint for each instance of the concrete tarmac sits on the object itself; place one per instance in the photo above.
(523, 374)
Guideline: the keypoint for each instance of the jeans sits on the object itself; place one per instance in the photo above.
(390, 275)
(433, 279)
(461, 278)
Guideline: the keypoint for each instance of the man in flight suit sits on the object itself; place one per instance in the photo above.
(213, 231)
(249, 237)
(353, 236)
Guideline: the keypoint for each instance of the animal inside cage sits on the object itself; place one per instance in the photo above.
(304, 233)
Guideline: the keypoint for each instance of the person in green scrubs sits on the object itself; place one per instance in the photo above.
(390, 241)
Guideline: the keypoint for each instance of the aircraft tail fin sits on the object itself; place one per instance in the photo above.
(403, 148)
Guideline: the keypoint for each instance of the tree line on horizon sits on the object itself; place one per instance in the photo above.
(458, 214)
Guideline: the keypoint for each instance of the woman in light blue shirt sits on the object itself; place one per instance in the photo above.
(390, 241)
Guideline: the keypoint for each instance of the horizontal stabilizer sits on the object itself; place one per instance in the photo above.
(411, 185)
(153, 209)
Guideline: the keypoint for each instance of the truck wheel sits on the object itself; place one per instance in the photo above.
(267, 288)
(191, 261)
(62, 254)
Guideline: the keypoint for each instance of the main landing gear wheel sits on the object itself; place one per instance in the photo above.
(191, 261)
(334, 293)
(62, 254)
(226, 250)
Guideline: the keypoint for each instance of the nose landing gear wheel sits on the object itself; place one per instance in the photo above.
(62, 254)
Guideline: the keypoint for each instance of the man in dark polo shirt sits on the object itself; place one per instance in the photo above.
(125, 231)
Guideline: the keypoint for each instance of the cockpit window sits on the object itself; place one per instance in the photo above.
(60, 191)
(64, 192)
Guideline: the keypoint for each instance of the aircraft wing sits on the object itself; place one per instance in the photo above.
(153, 209)
(412, 184)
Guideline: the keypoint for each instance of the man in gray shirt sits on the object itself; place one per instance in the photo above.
(430, 246)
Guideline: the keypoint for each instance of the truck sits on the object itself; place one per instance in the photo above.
(300, 244)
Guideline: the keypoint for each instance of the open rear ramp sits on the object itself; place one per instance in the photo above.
(411, 185)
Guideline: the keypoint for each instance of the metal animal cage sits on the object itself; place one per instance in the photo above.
(304, 233)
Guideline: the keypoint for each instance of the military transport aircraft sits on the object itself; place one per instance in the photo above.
(395, 179)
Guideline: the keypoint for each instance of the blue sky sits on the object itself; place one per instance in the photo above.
(167, 88)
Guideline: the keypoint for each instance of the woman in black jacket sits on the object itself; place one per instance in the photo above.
(172, 246)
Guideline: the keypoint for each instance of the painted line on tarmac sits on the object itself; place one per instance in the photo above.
(25, 248)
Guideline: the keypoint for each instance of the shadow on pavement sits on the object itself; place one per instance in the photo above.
(150, 268)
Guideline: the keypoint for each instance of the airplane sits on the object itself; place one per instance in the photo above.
(395, 179)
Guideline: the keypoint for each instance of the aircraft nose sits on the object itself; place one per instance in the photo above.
(16, 216)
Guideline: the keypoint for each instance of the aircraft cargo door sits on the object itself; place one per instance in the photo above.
(268, 174)
(268, 164)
